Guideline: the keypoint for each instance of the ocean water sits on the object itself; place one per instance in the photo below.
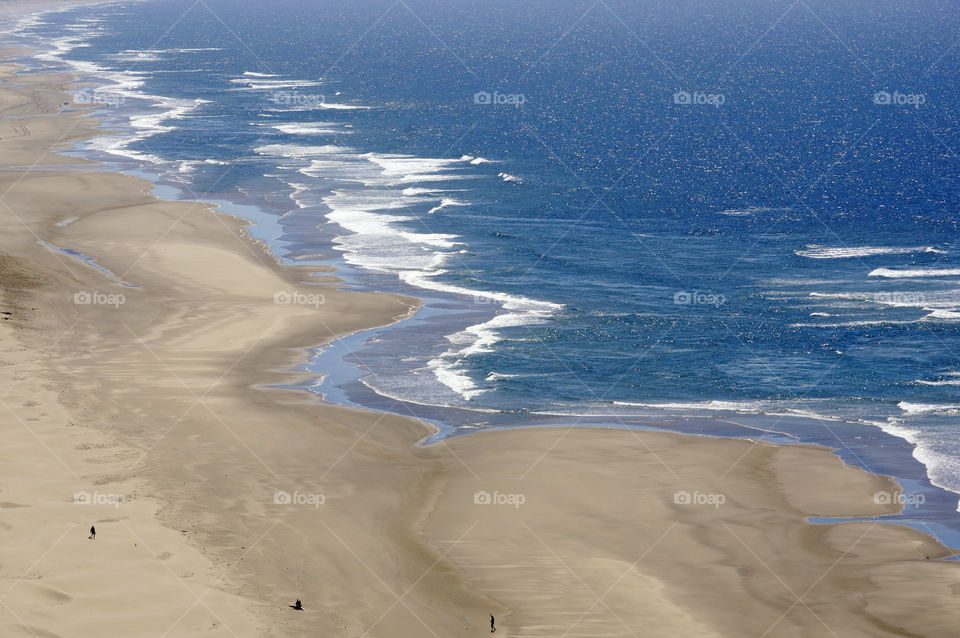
(615, 212)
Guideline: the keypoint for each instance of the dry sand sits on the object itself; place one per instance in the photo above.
(158, 400)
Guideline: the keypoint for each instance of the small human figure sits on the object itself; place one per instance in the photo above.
(93, 533)
(297, 605)
(493, 627)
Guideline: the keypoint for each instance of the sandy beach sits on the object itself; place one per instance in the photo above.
(138, 399)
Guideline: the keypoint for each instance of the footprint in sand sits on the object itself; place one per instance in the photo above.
(51, 596)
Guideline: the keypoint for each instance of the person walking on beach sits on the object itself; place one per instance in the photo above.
(297, 605)
(93, 533)
(493, 627)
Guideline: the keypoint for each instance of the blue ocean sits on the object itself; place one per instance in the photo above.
(627, 213)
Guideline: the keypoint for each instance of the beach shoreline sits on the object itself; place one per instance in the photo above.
(157, 402)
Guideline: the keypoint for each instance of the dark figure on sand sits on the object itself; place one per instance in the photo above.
(492, 627)
(93, 532)
(297, 605)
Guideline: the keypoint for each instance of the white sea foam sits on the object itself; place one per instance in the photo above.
(413, 191)
(479, 338)
(258, 84)
(750, 211)
(124, 86)
(154, 55)
(318, 105)
(914, 273)
(298, 151)
(316, 128)
(813, 251)
(945, 315)
(928, 408)
(507, 177)
(726, 406)
(445, 203)
(475, 160)
(402, 169)
(855, 324)
(928, 300)
(382, 234)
